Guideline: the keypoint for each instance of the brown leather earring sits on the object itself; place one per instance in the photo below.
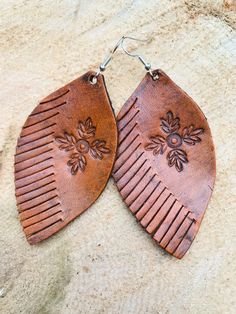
(165, 166)
(64, 155)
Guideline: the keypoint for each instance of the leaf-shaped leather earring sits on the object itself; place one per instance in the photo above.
(64, 155)
(165, 166)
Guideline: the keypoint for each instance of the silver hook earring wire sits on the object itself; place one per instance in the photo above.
(120, 43)
(147, 65)
(104, 64)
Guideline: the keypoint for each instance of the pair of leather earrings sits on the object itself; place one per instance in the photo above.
(164, 166)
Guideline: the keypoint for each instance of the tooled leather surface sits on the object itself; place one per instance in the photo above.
(165, 166)
(64, 156)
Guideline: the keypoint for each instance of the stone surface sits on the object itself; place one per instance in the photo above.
(112, 266)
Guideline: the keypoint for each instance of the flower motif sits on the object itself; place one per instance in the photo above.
(82, 145)
(174, 140)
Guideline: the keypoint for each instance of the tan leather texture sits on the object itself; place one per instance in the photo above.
(165, 166)
(64, 156)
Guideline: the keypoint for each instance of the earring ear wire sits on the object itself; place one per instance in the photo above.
(147, 65)
(120, 43)
(104, 64)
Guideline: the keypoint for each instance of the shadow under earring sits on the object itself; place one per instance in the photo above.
(165, 165)
(64, 155)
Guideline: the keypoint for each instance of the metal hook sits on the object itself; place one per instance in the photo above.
(147, 65)
(120, 43)
(104, 64)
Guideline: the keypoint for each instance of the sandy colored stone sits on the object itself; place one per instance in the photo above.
(103, 262)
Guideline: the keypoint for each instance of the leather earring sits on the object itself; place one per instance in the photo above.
(64, 155)
(165, 165)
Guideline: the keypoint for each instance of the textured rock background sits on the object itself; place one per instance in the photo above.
(103, 262)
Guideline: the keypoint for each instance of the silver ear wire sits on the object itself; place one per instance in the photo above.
(103, 65)
(120, 43)
(147, 65)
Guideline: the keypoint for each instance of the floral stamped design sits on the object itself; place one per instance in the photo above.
(82, 145)
(174, 140)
